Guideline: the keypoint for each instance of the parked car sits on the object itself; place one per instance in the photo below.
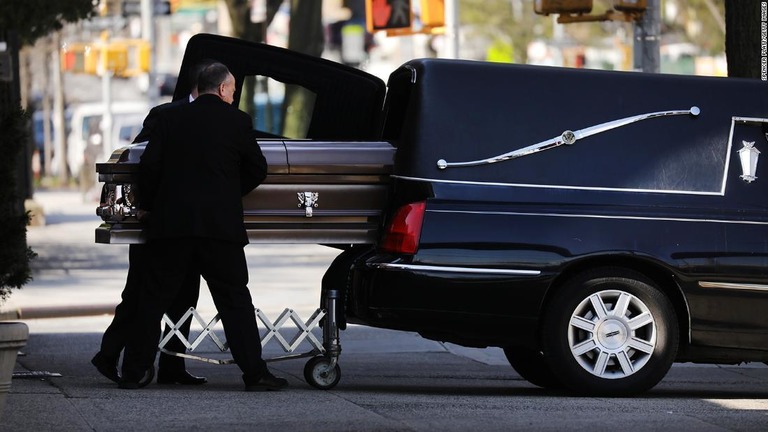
(38, 133)
(124, 129)
(85, 136)
(598, 226)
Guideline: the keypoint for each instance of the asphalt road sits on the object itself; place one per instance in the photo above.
(391, 381)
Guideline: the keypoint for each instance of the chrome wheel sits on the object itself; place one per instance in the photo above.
(609, 331)
(612, 334)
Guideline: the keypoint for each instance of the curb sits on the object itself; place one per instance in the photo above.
(57, 312)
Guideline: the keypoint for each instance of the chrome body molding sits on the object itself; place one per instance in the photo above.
(599, 216)
(445, 269)
(566, 187)
(413, 73)
(750, 120)
(734, 286)
(568, 138)
(748, 154)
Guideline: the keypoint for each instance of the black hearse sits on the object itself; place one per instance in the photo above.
(598, 226)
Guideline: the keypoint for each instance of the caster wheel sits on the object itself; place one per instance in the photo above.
(318, 374)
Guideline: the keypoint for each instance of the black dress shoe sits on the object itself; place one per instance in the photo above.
(106, 366)
(267, 382)
(149, 375)
(183, 377)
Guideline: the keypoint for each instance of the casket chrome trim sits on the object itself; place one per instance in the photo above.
(308, 200)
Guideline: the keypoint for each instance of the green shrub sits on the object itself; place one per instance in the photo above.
(15, 255)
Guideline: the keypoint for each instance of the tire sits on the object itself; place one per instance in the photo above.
(319, 375)
(610, 332)
(530, 365)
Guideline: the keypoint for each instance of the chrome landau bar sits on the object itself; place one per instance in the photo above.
(568, 137)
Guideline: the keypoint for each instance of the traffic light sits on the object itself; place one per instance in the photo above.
(546, 7)
(405, 17)
(432, 13)
(387, 14)
(75, 56)
(123, 57)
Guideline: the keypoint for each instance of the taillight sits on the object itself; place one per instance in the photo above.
(403, 232)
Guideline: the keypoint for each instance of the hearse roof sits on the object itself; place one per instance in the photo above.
(461, 111)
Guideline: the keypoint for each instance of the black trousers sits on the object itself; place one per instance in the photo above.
(115, 337)
(223, 266)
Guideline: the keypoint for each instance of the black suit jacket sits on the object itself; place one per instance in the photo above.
(201, 158)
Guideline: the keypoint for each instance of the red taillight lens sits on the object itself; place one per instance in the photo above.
(404, 230)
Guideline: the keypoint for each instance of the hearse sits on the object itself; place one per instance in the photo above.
(596, 225)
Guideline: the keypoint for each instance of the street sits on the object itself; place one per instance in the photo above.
(391, 380)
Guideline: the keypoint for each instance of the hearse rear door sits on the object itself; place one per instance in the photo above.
(339, 102)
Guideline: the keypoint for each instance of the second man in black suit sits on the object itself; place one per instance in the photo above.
(171, 369)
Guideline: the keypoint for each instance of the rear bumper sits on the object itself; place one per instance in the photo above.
(472, 306)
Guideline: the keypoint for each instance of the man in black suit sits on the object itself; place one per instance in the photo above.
(201, 159)
(171, 369)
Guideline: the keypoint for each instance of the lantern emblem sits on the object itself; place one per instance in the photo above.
(749, 155)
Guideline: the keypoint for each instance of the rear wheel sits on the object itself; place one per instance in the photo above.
(610, 332)
(530, 365)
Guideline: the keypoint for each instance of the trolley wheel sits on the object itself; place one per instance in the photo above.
(318, 374)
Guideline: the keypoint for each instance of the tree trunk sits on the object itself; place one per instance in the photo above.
(244, 28)
(10, 98)
(745, 27)
(14, 136)
(9, 88)
(305, 35)
(305, 32)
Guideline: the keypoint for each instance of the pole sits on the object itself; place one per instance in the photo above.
(452, 29)
(106, 93)
(148, 34)
(647, 36)
(45, 168)
(59, 149)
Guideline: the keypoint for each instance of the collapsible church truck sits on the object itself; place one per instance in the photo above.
(598, 226)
